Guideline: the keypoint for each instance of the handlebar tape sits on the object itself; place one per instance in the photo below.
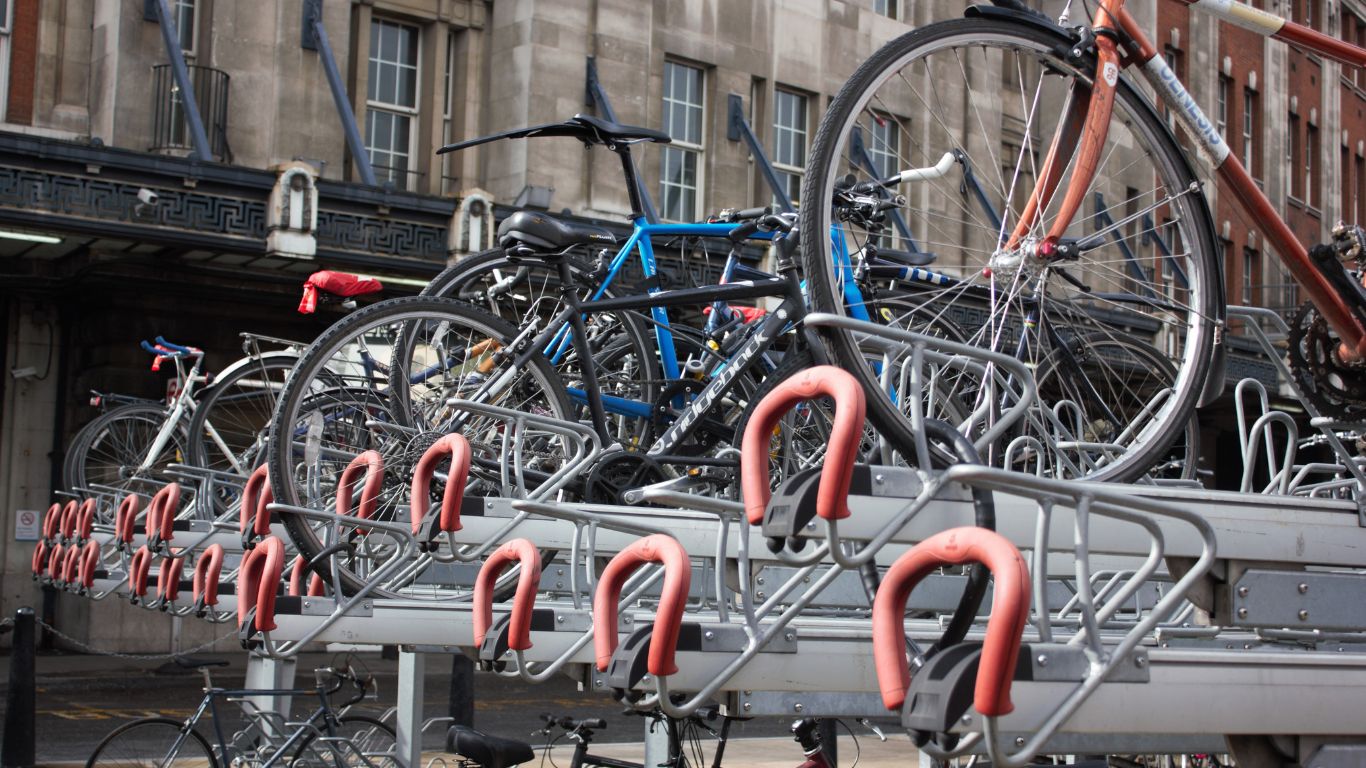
(1009, 610)
(832, 496)
(515, 551)
(657, 548)
(458, 449)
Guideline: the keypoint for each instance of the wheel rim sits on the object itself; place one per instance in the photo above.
(992, 301)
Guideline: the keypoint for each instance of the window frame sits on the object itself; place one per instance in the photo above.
(1221, 106)
(413, 114)
(682, 146)
(784, 169)
(1251, 111)
(891, 9)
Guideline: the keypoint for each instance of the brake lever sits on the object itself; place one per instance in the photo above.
(863, 721)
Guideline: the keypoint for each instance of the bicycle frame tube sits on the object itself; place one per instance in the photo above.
(1293, 253)
(173, 416)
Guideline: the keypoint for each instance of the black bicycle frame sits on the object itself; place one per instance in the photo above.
(758, 340)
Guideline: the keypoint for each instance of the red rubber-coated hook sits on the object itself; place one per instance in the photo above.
(255, 496)
(458, 449)
(257, 581)
(1009, 610)
(515, 551)
(206, 572)
(832, 497)
(657, 548)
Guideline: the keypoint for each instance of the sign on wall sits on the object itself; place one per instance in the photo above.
(27, 524)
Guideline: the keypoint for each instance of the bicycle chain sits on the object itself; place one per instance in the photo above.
(135, 656)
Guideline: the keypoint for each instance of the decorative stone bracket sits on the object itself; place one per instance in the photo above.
(292, 216)
(471, 229)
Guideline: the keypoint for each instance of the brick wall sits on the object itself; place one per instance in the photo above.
(22, 62)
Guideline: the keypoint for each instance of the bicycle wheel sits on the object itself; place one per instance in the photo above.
(228, 430)
(523, 291)
(992, 93)
(117, 444)
(357, 741)
(336, 405)
(157, 741)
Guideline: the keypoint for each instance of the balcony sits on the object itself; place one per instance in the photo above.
(171, 129)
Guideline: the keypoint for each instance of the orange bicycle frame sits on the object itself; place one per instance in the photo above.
(1083, 135)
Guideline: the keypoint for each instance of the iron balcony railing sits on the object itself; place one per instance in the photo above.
(170, 129)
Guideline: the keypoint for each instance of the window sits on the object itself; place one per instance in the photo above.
(1293, 151)
(888, 8)
(183, 14)
(1290, 292)
(789, 140)
(1173, 57)
(884, 146)
(1250, 114)
(678, 175)
(5, 12)
(391, 101)
(1311, 164)
(1221, 111)
(448, 178)
(1250, 299)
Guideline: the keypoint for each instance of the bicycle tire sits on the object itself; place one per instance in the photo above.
(987, 297)
(342, 410)
(115, 445)
(522, 290)
(231, 420)
(368, 742)
(127, 746)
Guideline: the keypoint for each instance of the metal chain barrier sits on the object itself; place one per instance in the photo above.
(136, 656)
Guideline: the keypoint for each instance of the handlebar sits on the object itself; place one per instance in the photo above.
(570, 724)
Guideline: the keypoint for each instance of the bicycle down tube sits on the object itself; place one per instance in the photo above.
(1112, 17)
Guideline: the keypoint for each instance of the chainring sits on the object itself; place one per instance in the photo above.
(1336, 389)
(612, 476)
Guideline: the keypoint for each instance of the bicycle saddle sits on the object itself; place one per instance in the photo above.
(488, 751)
(541, 232)
(585, 128)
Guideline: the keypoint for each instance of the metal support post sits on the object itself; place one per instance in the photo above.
(595, 96)
(737, 129)
(17, 750)
(273, 674)
(460, 702)
(656, 742)
(412, 668)
(315, 38)
(170, 36)
(829, 746)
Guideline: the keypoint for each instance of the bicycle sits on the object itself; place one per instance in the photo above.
(685, 739)
(1038, 274)
(323, 738)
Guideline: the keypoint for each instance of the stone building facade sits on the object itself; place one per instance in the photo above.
(90, 119)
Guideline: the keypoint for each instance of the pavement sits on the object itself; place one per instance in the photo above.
(83, 697)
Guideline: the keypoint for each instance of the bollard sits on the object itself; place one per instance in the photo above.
(460, 699)
(17, 749)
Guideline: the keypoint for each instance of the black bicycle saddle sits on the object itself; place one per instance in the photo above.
(488, 751)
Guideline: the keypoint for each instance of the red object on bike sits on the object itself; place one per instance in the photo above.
(85, 520)
(126, 517)
(515, 551)
(67, 528)
(168, 578)
(206, 571)
(372, 464)
(39, 559)
(340, 284)
(456, 447)
(657, 548)
(90, 560)
(747, 314)
(161, 513)
(832, 497)
(296, 579)
(257, 582)
(52, 520)
(1009, 610)
(138, 568)
(255, 496)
